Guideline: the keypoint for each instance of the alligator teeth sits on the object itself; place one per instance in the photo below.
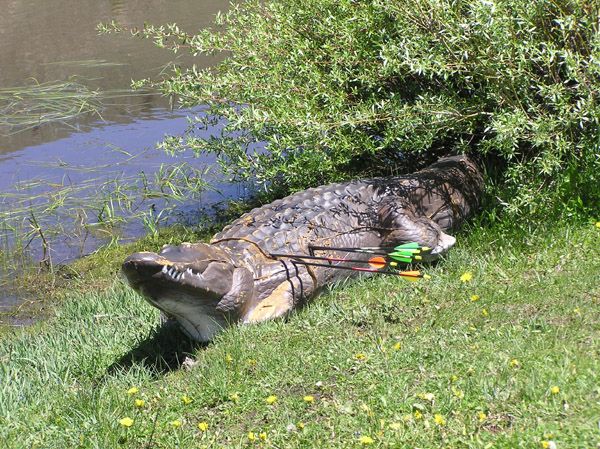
(164, 269)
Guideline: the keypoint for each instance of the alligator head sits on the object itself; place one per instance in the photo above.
(197, 284)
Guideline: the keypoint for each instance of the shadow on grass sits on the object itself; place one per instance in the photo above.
(165, 350)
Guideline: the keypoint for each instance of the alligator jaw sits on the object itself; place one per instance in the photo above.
(153, 269)
(186, 282)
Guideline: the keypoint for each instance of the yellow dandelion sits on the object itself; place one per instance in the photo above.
(484, 312)
(126, 422)
(397, 346)
(263, 436)
(203, 426)
(474, 298)
(360, 356)
(234, 397)
(396, 425)
(548, 444)
(251, 436)
(300, 425)
(555, 389)
(453, 378)
(439, 419)
(271, 399)
(132, 391)
(139, 403)
(366, 440)
(481, 417)
(577, 311)
(417, 414)
(514, 363)
(175, 424)
(228, 358)
(466, 276)
(309, 399)
(186, 399)
(426, 396)
(251, 362)
(598, 224)
(458, 393)
(365, 408)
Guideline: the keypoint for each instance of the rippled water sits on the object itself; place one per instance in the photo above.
(70, 163)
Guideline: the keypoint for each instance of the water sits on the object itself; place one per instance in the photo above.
(72, 167)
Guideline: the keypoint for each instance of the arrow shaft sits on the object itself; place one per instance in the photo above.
(328, 259)
(367, 250)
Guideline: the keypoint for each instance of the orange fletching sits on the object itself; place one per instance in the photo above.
(413, 274)
(377, 262)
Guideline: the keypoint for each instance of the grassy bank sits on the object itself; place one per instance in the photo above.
(506, 357)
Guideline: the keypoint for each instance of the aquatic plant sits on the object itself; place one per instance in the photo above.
(39, 216)
(35, 104)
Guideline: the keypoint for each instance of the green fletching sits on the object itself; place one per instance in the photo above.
(414, 248)
(411, 245)
(401, 254)
(408, 251)
(401, 257)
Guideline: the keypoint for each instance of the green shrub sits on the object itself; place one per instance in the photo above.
(344, 88)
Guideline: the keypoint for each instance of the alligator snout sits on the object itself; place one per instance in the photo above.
(141, 266)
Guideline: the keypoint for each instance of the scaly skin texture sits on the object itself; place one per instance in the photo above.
(206, 287)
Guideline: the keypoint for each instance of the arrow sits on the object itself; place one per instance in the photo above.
(409, 275)
(375, 262)
(406, 248)
(405, 253)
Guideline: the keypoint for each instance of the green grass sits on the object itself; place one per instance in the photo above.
(380, 357)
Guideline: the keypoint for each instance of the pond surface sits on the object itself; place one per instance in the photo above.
(58, 178)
